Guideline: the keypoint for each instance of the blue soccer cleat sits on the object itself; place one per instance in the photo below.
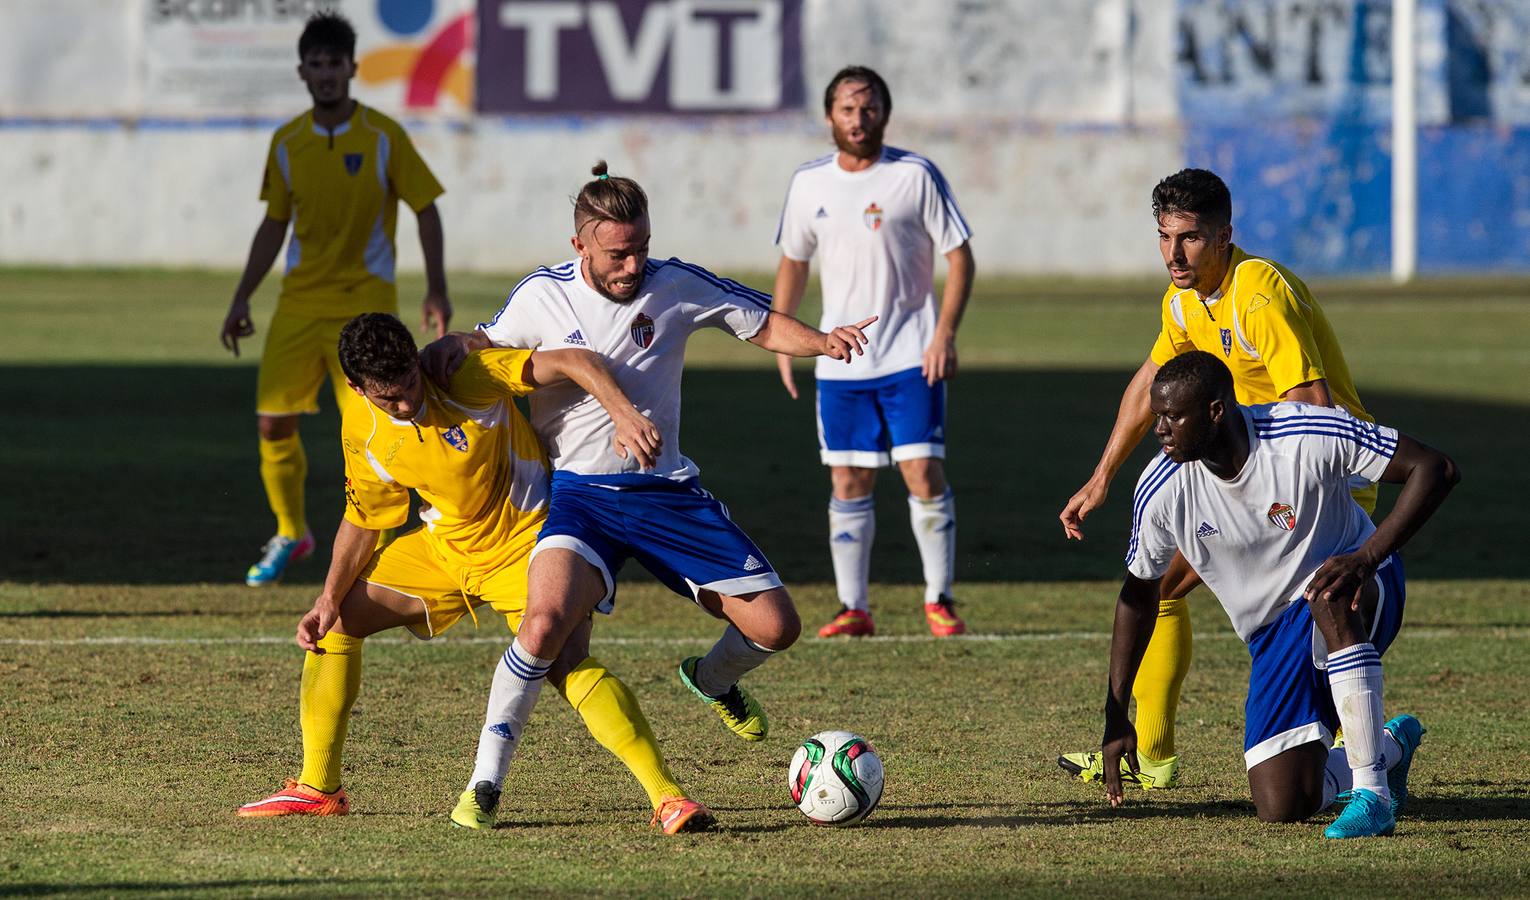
(1408, 732)
(1367, 815)
(275, 556)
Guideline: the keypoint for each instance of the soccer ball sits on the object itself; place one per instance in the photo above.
(836, 778)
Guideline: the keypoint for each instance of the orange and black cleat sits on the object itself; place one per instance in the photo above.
(678, 814)
(298, 799)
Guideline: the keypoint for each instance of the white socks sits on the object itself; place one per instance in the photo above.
(731, 658)
(934, 523)
(852, 525)
(517, 683)
(1354, 676)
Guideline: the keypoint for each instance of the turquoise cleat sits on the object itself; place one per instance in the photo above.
(1408, 732)
(275, 556)
(1367, 815)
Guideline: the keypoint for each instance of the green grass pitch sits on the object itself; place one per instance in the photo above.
(147, 692)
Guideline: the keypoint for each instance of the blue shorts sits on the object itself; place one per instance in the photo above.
(679, 532)
(871, 423)
(1289, 701)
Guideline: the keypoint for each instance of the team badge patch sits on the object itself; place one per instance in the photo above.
(1282, 516)
(352, 163)
(872, 217)
(1227, 342)
(642, 331)
(456, 438)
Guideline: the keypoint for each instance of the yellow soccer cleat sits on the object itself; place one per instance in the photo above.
(475, 808)
(1089, 766)
(737, 708)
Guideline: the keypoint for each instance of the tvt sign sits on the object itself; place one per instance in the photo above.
(639, 55)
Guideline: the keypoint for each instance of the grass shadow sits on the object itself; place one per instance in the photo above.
(149, 474)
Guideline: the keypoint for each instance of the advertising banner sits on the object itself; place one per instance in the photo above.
(665, 56)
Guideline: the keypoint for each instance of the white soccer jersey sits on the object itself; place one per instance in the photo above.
(876, 232)
(1257, 540)
(643, 342)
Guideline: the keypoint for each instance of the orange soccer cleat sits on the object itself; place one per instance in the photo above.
(298, 799)
(849, 622)
(942, 619)
(678, 814)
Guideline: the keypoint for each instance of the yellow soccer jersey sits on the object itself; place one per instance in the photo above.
(470, 454)
(340, 191)
(1265, 325)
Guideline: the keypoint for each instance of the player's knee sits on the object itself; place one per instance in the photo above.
(925, 478)
(783, 629)
(276, 428)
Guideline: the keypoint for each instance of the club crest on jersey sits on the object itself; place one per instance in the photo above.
(642, 331)
(872, 217)
(352, 163)
(456, 438)
(1227, 342)
(1282, 516)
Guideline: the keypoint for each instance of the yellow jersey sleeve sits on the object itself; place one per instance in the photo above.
(371, 502)
(273, 187)
(411, 179)
(1275, 323)
(489, 376)
(1173, 339)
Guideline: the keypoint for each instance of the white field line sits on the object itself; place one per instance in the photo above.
(1028, 637)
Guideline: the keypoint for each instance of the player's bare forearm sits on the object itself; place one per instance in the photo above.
(791, 284)
(1136, 616)
(584, 368)
(353, 549)
(1312, 393)
(264, 248)
(1427, 477)
(433, 248)
(793, 337)
(960, 269)
(1133, 419)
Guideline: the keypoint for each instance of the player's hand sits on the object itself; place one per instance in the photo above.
(442, 357)
(788, 378)
(846, 340)
(939, 363)
(316, 623)
(636, 434)
(1120, 743)
(237, 325)
(1341, 578)
(435, 312)
(1087, 500)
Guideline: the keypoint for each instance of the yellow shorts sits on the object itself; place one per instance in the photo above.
(411, 566)
(300, 351)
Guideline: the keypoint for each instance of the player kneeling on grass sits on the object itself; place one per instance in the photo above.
(1257, 498)
(475, 461)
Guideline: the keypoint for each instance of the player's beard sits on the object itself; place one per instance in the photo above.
(868, 148)
(603, 287)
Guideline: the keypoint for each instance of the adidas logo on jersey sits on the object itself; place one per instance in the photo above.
(576, 338)
(751, 564)
(1206, 530)
(822, 213)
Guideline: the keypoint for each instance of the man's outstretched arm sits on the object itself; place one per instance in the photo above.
(635, 434)
(1133, 419)
(790, 335)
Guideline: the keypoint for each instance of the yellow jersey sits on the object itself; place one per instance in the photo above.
(340, 190)
(1265, 325)
(469, 453)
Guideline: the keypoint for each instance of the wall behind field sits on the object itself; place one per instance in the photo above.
(133, 132)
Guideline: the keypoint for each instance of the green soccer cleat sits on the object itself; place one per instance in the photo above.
(475, 808)
(1089, 765)
(1367, 815)
(737, 708)
(1408, 732)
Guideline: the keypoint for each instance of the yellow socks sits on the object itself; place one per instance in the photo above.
(283, 469)
(331, 681)
(612, 715)
(1163, 669)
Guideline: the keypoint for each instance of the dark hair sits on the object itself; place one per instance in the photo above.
(1207, 377)
(377, 350)
(1194, 192)
(328, 30)
(608, 199)
(863, 75)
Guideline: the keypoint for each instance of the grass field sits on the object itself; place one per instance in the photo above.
(148, 692)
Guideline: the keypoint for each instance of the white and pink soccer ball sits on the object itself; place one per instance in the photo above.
(836, 778)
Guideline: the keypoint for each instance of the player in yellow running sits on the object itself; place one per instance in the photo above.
(475, 461)
(335, 174)
(1260, 320)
